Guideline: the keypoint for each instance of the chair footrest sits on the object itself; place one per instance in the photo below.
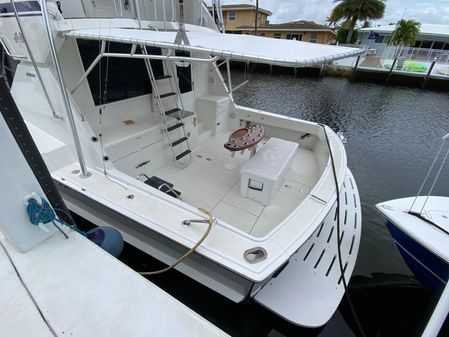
(163, 186)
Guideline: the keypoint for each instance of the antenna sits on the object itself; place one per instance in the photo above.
(443, 142)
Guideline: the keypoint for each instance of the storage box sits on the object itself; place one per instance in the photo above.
(262, 175)
(213, 111)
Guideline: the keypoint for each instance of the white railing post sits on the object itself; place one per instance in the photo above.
(62, 88)
(137, 9)
(439, 315)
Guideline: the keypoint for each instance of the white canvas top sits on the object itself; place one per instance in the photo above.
(236, 47)
(426, 29)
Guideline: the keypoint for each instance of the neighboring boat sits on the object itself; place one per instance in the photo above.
(420, 228)
(140, 130)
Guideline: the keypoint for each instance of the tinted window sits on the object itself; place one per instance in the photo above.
(426, 44)
(438, 45)
(115, 79)
(184, 74)
(379, 39)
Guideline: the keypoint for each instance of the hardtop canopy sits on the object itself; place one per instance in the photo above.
(288, 53)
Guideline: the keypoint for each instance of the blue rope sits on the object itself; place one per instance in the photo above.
(44, 213)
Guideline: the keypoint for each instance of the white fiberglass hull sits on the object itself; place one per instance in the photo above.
(311, 274)
(422, 241)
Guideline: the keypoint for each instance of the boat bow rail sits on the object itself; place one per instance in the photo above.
(287, 53)
(430, 236)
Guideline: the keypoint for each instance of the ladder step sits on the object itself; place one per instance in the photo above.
(168, 94)
(162, 77)
(174, 127)
(185, 153)
(172, 111)
(179, 141)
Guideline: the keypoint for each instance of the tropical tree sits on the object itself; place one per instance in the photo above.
(366, 24)
(405, 33)
(342, 35)
(355, 10)
(331, 23)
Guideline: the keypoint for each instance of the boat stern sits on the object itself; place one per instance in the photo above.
(310, 287)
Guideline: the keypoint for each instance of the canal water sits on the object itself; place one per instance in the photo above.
(393, 134)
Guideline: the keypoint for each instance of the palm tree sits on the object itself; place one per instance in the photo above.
(331, 23)
(405, 33)
(354, 10)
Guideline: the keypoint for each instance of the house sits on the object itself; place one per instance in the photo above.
(235, 16)
(240, 19)
(431, 36)
(301, 30)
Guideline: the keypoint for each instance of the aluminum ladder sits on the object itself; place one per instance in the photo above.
(178, 140)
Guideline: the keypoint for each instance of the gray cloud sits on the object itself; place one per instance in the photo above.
(425, 11)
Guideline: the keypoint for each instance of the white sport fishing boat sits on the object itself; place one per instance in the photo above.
(129, 108)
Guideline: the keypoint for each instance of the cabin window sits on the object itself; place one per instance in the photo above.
(379, 39)
(426, 44)
(438, 45)
(277, 35)
(231, 16)
(115, 79)
(313, 38)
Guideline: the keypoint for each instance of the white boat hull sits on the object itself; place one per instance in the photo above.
(422, 245)
(312, 273)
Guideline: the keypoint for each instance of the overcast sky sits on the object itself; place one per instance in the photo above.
(424, 11)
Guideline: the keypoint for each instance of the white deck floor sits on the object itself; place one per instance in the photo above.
(212, 181)
(73, 288)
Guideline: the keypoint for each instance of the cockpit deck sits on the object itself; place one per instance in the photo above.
(212, 181)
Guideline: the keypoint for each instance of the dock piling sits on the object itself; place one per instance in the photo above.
(354, 70)
(428, 73)
(391, 69)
